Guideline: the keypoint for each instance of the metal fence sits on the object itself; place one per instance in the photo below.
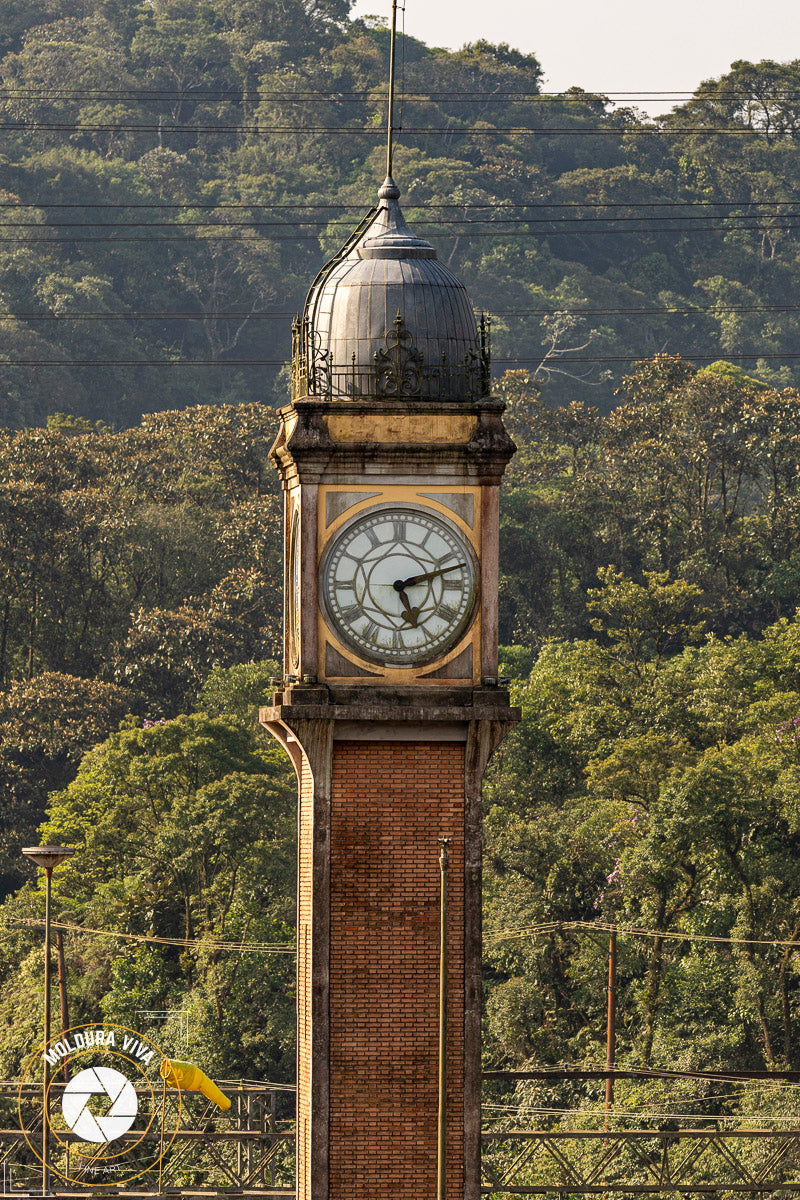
(248, 1150)
(640, 1162)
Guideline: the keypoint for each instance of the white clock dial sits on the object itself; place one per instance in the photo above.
(398, 585)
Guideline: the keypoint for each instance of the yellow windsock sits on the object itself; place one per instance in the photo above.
(189, 1078)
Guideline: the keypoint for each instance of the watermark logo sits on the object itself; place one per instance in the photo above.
(110, 1115)
(99, 1081)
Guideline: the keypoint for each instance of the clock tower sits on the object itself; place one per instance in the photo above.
(390, 455)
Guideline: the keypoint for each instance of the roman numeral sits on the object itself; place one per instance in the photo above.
(350, 613)
(397, 641)
(399, 529)
(450, 584)
(370, 632)
(446, 612)
(371, 535)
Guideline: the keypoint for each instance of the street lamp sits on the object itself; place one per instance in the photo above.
(48, 858)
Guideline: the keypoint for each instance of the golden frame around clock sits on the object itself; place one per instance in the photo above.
(398, 585)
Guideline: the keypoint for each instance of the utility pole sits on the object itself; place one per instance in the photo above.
(611, 1025)
(62, 991)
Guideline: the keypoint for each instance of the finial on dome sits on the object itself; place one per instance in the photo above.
(389, 189)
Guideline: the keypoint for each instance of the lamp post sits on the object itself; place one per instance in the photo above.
(48, 858)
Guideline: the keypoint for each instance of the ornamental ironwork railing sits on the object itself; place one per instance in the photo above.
(398, 369)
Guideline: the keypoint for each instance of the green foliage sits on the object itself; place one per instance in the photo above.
(658, 793)
(239, 691)
(692, 480)
(46, 724)
(149, 556)
(644, 622)
(184, 830)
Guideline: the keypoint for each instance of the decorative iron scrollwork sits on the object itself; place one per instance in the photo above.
(312, 372)
(320, 369)
(398, 368)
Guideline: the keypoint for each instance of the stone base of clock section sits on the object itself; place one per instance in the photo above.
(386, 704)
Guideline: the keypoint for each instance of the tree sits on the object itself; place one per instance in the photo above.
(46, 725)
(185, 829)
(645, 622)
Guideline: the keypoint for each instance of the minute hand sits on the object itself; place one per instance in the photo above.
(431, 575)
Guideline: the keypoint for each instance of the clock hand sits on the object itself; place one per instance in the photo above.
(428, 575)
(411, 614)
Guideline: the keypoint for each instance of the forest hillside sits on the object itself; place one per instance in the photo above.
(172, 176)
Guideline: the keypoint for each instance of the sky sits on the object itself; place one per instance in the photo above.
(613, 45)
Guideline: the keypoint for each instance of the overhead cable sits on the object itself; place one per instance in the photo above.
(633, 930)
(508, 363)
(287, 314)
(38, 126)
(207, 943)
(495, 205)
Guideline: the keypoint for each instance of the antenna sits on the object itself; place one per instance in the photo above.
(390, 131)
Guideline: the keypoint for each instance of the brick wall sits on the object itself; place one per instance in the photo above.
(389, 804)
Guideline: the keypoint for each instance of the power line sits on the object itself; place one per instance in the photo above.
(287, 314)
(443, 231)
(638, 1112)
(35, 126)
(633, 930)
(435, 222)
(209, 943)
(598, 1072)
(713, 310)
(376, 93)
(494, 205)
(508, 363)
(151, 316)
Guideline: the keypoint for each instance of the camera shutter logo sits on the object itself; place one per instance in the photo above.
(99, 1081)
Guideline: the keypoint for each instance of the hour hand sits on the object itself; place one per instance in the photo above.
(428, 575)
(410, 614)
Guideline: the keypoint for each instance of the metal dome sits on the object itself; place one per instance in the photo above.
(385, 318)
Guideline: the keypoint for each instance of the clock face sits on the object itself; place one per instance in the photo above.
(398, 585)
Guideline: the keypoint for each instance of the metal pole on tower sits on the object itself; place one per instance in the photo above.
(441, 1155)
(390, 130)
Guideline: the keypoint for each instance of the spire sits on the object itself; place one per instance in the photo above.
(388, 232)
